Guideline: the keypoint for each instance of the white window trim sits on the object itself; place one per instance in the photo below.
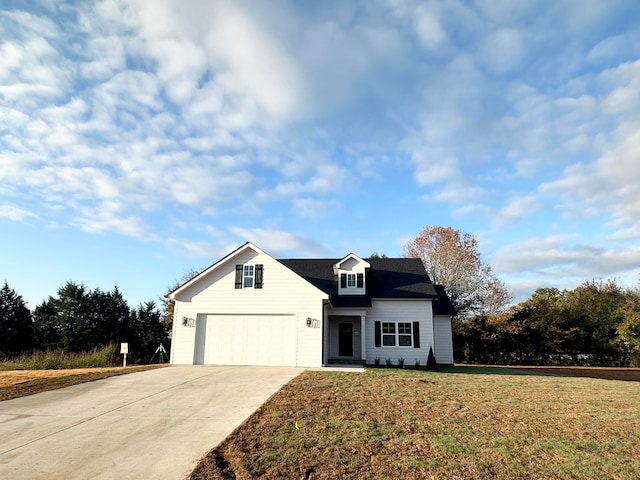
(396, 334)
(248, 276)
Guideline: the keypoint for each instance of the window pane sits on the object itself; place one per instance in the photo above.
(404, 340)
(404, 328)
(388, 327)
(351, 280)
(248, 276)
(389, 340)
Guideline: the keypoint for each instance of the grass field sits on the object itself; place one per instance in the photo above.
(464, 423)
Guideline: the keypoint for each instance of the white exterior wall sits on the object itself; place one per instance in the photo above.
(400, 311)
(443, 339)
(283, 293)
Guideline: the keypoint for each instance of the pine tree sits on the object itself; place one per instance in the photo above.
(16, 326)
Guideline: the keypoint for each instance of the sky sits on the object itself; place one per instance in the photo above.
(142, 139)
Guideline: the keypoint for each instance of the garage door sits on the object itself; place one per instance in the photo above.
(245, 340)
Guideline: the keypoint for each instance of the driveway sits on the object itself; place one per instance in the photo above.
(153, 424)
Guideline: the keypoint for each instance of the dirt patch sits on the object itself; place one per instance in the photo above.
(11, 377)
(20, 383)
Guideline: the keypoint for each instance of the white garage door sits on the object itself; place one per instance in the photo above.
(245, 340)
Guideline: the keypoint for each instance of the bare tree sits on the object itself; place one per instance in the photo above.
(452, 259)
(167, 305)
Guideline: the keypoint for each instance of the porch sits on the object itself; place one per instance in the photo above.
(345, 339)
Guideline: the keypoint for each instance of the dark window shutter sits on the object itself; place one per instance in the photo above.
(416, 334)
(239, 276)
(258, 275)
(378, 332)
(343, 280)
(360, 280)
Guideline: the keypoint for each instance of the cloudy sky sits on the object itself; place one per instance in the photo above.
(141, 139)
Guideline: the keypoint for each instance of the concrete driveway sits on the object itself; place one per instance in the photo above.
(146, 425)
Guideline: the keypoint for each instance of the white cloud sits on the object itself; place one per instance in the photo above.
(280, 243)
(611, 184)
(517, 208)
(312, 208)
(558, 258)
(254, 62)
(503, 50)
(14, 213)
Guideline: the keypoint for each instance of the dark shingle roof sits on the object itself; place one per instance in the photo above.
(443, 305)
(387, 278)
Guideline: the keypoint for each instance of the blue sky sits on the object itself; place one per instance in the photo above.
(141, 139)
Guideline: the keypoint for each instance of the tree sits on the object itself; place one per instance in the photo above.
(16, 326)
(79, 320)
(147, 331)
(167, 305)
(452, 259)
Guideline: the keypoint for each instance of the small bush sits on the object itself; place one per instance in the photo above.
(401, 362)
(388, 362)
(431, 360)
(417, 363)
(376, 361)
(59, 359)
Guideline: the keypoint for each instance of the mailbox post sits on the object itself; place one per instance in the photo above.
(124, 349)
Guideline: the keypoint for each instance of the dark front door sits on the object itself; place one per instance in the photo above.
(345, 340)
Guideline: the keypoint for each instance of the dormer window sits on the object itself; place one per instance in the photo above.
(351, 275)
(351, 280)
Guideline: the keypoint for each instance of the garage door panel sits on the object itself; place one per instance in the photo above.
(249, 340)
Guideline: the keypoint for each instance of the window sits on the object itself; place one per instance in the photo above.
(388, 334)
(397, 334)
(249, 276)
(404, 334)
(352, 280)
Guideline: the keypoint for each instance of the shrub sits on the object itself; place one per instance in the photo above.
(401, 362)
(431, 360)
(376, 361)
(388, 362)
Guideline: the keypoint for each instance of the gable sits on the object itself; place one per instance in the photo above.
(230, 274)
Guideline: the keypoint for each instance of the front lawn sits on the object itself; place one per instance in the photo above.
(389, 424)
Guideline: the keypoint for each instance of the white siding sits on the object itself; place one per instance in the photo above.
(443, 339)
(400, 311)
(283, 293)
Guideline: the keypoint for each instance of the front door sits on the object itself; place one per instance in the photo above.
(345, 340)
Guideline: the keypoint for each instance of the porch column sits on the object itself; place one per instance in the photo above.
(363, 340)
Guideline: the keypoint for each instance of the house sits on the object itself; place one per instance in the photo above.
(252, 309)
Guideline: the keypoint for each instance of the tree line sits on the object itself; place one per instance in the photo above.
(597, 323)
(78, 319)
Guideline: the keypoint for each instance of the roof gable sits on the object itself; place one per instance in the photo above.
(349, 262)
(240, 253)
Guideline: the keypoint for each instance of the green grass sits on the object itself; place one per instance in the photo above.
(484, 424)
(60, 359)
